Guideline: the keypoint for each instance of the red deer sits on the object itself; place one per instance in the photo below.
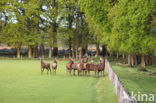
(81, 66)
(89, 67)
(76, 66)
(44, 66)
(101, 67)
(69, 66)
(84, 59)
(96, 68)
(54, 66)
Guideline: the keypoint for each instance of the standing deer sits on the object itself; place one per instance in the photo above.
(44, 66)
(54, 66)
(69, 66)
(100, 67)
(89, 67)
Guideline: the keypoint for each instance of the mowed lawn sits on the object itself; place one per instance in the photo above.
(21, 82)
(137, 81)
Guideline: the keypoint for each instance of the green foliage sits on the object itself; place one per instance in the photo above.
(125, 25)
(13, 35)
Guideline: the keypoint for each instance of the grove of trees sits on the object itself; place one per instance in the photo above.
(41, 23)
(124, 27)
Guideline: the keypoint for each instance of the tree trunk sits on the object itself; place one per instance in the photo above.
(86, 50)
(126, 59)
(55, 51)
(82, 49)
(76, 52)
(42, 50)
(117, 55)
(73, 51)
(30, 52)
(132, 60)
(123, 56)
(81, 52)
(104, 51)
(153, 60)
(135, 59)
(143, 62)
(50, 51)
(18, 52)
(97, 49)
(146, 59)
(70, 50)
(54, 29)
(129, 60)
(34, 52)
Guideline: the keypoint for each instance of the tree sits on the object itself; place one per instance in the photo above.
(13, 36)
(124, 26)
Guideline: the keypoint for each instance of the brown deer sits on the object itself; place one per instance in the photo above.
(69, 66)
(89, 67)
(54, 66)
(82, 64)
(100, 67)
(76, 66)
(44, 66)
(84, 59)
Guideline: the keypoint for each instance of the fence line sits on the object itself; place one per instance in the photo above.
(121, 92)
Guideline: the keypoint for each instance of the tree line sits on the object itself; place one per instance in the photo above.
(43, 23)
(124, 27)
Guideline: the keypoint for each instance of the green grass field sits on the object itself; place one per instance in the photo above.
(21, 82)
(137, 81)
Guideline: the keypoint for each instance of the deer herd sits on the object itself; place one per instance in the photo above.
(82, 66)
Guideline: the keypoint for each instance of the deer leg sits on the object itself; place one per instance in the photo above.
(89, 72)
(98, 74)
(41, 70)
(78, 72)
(95, 73)
(53, 71)
(66, 71)
(85, 72)
(69, 71)
(101, 73)
(47, 71)
(74, 72)
(50, 70)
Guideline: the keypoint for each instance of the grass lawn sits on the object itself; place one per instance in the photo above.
(137, 81)
(21, 82)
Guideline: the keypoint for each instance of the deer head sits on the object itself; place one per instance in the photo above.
(55, 60)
